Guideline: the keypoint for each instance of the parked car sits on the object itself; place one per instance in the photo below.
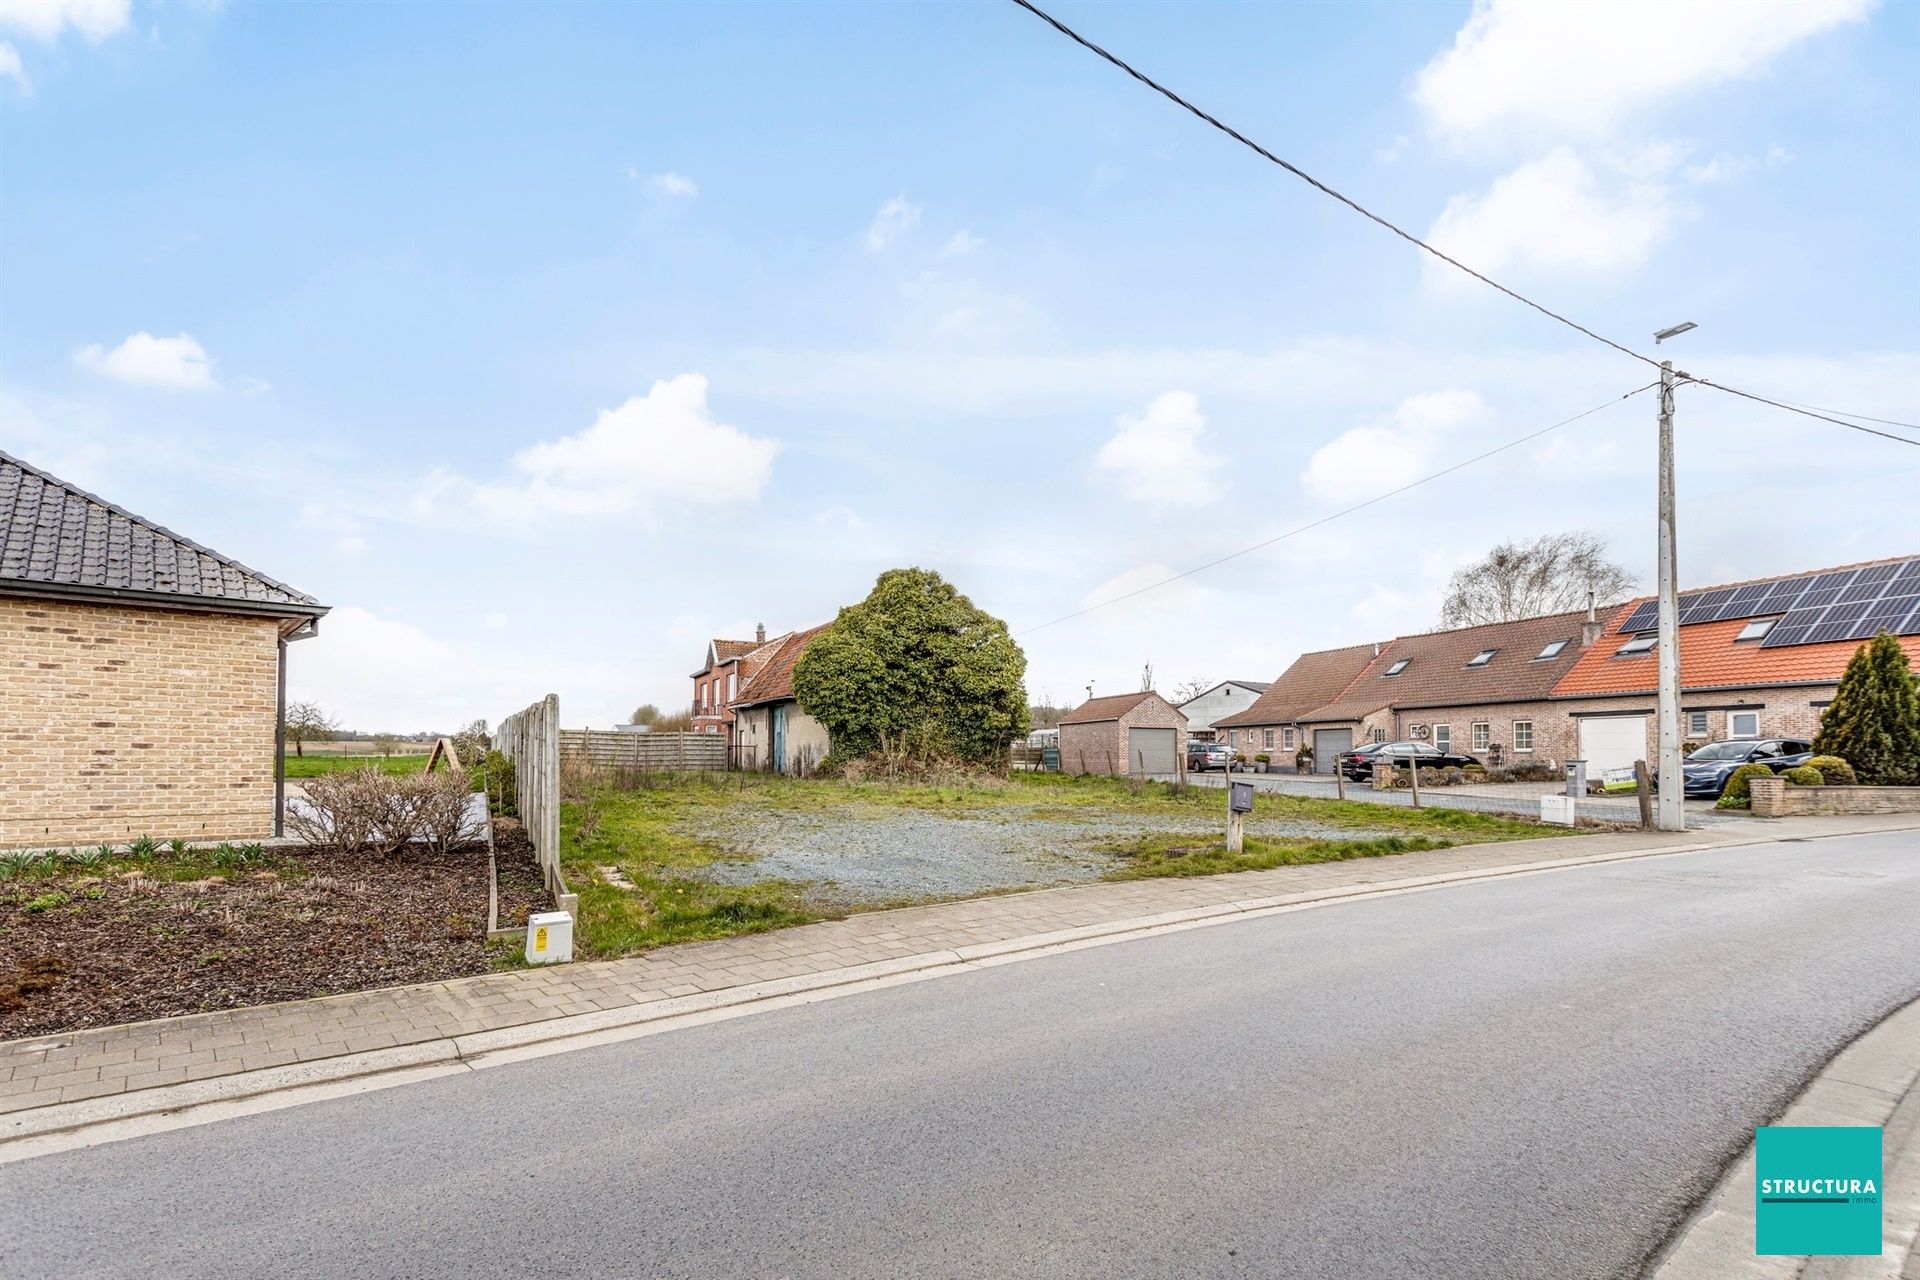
(1202, 756)
(1706, 771)
(1358, 763)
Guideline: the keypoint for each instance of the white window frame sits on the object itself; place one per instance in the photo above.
(1398, 665)
(733, 685)
(1553, 649)
(1482, 658)
(1733, 724)
(1748, 634)
(1642, 642)
(1523, 729)
(1443, 738)
(1697, 726)
(1379, 734)
(1266, 738)
(1286, 738)
(1480, 734)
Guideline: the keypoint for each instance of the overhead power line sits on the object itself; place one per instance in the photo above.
(1412, 239)
(1337, 515)
(1792, 408)
(1858, 417)
(1308, 178)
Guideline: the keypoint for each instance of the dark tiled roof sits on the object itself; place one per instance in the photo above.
(1110, 707)
(1437, 674)
(774, 683)
(1314, 680)
(54, 535)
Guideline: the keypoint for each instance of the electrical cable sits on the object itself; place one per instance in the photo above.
(1330, 518)
(1780, 404)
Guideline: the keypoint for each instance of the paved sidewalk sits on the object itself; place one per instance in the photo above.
(62, 1069)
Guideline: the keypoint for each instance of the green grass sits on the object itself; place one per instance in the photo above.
(315, 765)
(642, 832)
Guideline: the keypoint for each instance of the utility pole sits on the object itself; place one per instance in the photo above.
(1672, 814)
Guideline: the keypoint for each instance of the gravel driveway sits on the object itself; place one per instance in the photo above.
(858, 858)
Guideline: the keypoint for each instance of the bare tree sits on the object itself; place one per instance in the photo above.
(1188, 690)
(646, 713)
(385, 743)
(679, 722)
(1551, 574)
(306, 722)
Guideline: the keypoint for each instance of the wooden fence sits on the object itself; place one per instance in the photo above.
(531, 739)
(654, 752)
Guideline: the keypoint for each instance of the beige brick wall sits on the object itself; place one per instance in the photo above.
(807, 741)
(120, 722)
(1777, 798)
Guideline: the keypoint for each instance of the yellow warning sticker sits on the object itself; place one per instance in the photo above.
(540, 938)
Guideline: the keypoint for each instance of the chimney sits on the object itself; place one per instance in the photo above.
(759, 633)
(1590, 629)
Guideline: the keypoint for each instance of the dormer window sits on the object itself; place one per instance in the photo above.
(1642, 643)
(1482, 658)
(1551, 651)
(1756, 630)
(1397, 667)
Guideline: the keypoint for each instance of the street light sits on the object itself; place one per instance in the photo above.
(1672, 815)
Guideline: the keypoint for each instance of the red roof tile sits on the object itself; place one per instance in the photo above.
(1437, 674)
(1709, 659)
(1109, 707)
(774, 683)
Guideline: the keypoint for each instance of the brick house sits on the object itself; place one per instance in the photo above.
(1760, 658)
(142, 676)
(728, 666)
(770, 731)
(1137, 733)
(1273, 725)
(1750, 666)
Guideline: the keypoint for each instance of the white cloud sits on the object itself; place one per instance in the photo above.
(1138, 591)
(45, 20)
(1553, 215)
(895, 218)
(661, 448)
(963, 242)
(143, 360)
(1368, 461)
(10, 68)
(1158, 458)
(673, 185)
(1523, 69)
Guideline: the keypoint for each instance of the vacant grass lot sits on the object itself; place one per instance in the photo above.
(314, 766)
(708, 856)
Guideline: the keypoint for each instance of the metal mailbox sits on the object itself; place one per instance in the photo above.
(1241, 798)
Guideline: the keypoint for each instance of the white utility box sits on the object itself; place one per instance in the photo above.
(549, 937)
(1555, 809)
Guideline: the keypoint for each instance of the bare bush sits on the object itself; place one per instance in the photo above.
(341, 809)
(446, 815)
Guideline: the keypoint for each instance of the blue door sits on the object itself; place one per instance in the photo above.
(779, 739)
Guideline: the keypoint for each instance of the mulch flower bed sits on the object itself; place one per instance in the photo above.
(131, 940)
(523, 890)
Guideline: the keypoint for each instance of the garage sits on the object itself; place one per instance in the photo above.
(1328, 744)
(1151, 751)
(1612, 742)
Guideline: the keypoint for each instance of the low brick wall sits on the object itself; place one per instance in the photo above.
(1778, 798)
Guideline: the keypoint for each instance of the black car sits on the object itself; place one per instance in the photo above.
(1202, 756)
(1358, 763)
(1706, 771)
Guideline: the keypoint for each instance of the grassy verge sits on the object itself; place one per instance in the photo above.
(314, 766)
(643, 833)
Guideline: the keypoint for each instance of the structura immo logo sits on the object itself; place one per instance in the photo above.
(1816, 1190)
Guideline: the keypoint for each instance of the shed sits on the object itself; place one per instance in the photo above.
(1125, 733)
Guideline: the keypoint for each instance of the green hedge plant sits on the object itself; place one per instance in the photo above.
(1805, 775)
(1739, 790)
(1834, 771)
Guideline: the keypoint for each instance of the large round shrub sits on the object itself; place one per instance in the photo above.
(1834, 771)
(1805, 775)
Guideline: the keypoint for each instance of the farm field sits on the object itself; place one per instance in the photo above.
(675, 858)
(312, 766)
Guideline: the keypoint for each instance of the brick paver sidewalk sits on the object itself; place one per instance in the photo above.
(46, 1070)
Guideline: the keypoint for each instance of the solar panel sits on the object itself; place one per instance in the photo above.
(1863, 590)
(1642, 619)
(1816, 607)
(1878, 573)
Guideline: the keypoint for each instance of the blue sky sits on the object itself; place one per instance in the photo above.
(545, 342)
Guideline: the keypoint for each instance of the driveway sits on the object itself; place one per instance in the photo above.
(1534, 1076)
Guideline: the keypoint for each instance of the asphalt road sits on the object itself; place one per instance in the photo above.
(1525, 1077)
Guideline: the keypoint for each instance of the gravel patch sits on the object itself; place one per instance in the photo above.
(868, 859)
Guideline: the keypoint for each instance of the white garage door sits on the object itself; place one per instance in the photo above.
(1612, 742)
(1327, 746)
(1150, 750)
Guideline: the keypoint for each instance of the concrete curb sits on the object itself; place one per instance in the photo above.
(43, 1130)
(1870, 1082)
